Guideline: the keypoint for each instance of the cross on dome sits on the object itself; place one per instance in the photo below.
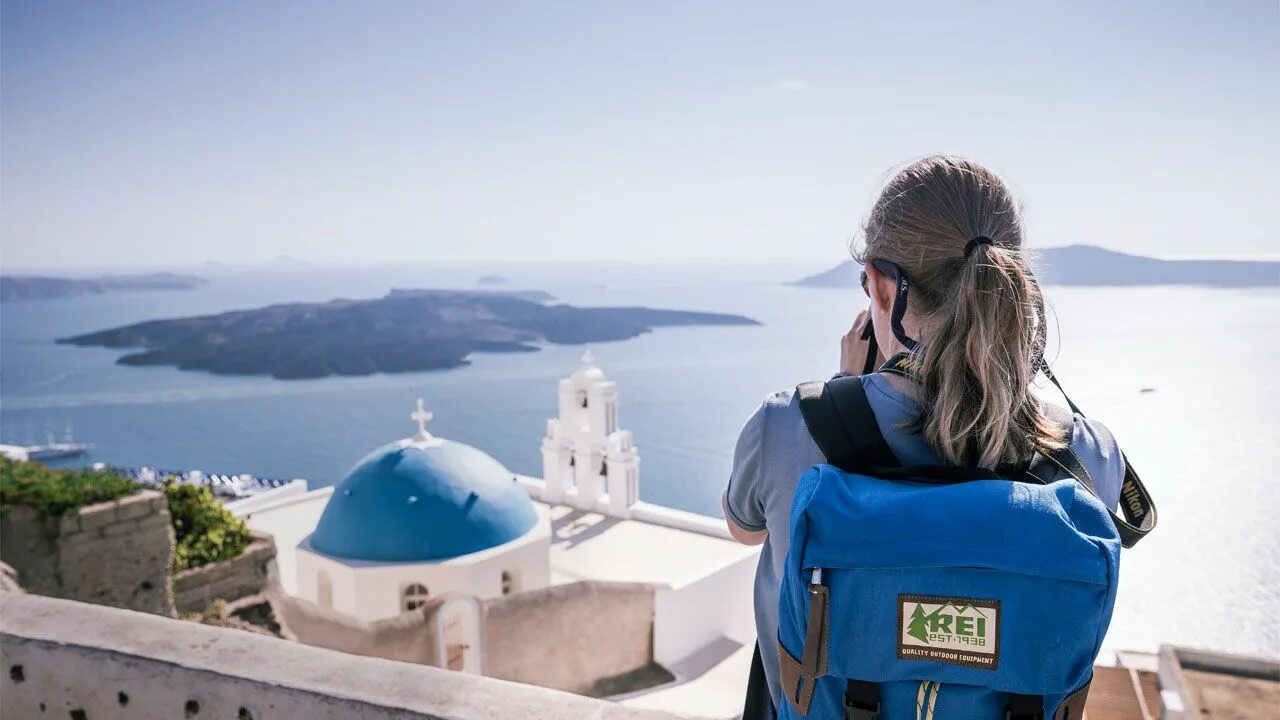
(588, 359)
(422, 417)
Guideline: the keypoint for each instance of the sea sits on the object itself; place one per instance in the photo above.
(1185, 377)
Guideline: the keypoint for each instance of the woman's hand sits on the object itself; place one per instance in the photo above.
(855, 345)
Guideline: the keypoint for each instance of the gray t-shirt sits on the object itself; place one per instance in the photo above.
(774, 449)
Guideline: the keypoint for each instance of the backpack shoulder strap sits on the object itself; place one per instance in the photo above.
(841, 421)
(1046, 465)
(1136, 504)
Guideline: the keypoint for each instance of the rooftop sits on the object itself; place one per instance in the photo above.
(592, 546)
(423, 500)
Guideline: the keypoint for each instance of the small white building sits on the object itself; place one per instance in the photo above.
(420, 518)
(587, 462)
(428, 518)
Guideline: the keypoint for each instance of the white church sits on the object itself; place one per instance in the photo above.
(428, 524)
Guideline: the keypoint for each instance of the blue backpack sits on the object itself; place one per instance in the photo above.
(953, 593)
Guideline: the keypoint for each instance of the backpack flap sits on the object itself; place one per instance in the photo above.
(1000, 587)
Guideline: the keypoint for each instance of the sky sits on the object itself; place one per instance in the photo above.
(176, 133)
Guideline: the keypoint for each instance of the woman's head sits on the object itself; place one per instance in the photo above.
(955, 229)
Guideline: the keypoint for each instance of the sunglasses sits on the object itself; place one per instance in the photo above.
(887, 269)
(899, 276)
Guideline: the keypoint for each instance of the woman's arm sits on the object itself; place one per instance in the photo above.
(742, 535)
(743, 501)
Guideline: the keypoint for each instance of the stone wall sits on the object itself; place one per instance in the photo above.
(116, 553)
(575, 637)
(583, 637)
(409, 637)
(67, 659)
(246, 574)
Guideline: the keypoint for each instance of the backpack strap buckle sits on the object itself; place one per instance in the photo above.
(1025, 707)
(861, 700)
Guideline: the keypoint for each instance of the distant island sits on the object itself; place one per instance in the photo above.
(406, 331)
(33, 287)
(492, 280)
(1086, 265)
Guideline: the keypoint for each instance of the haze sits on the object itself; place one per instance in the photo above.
(170, 134)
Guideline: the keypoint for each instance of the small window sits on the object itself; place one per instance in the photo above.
(324, 590)
(604, 468)
(508, 582)
(415, 596)
(582, 399)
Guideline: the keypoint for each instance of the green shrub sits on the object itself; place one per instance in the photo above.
(204, 531)
(58, 492)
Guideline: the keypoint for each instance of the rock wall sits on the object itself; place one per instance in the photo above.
(116, 553)
(246, 574)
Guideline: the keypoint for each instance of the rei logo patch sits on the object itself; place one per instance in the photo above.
(959, 631)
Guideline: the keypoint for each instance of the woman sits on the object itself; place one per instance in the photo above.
(973, 321)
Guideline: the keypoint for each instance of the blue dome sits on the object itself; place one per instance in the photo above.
(415, 502)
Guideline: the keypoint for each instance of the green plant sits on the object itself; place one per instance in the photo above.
(204, 531)
(58, 492)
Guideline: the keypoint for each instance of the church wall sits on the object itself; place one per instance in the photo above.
(569, 637)
(341, 580)
(376, 591)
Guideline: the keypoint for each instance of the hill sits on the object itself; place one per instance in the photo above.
(33, 287)
(406, 331)
(1086, 265)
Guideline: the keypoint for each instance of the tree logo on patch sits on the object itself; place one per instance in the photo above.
(959, 631)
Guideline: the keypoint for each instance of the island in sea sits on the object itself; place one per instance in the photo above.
(1094, 266)
(36, 287)
(405, 331)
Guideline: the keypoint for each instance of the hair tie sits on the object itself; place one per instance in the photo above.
(979, 240)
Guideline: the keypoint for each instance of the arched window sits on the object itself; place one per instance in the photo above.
(508, 582)
(414, 596)
(582, 398)
(324, 590)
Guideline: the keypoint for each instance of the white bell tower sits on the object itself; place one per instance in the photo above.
(587, 462)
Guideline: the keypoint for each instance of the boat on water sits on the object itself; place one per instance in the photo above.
(48, 451)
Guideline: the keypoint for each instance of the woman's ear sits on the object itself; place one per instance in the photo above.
(882, 289)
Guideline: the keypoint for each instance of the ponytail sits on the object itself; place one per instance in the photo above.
(954, 227)
(978, 365)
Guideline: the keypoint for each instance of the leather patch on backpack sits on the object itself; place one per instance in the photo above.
(954, 630)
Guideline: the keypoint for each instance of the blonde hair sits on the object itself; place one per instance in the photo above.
(981, 309)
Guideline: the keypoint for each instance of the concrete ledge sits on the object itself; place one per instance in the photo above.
(61, 656)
